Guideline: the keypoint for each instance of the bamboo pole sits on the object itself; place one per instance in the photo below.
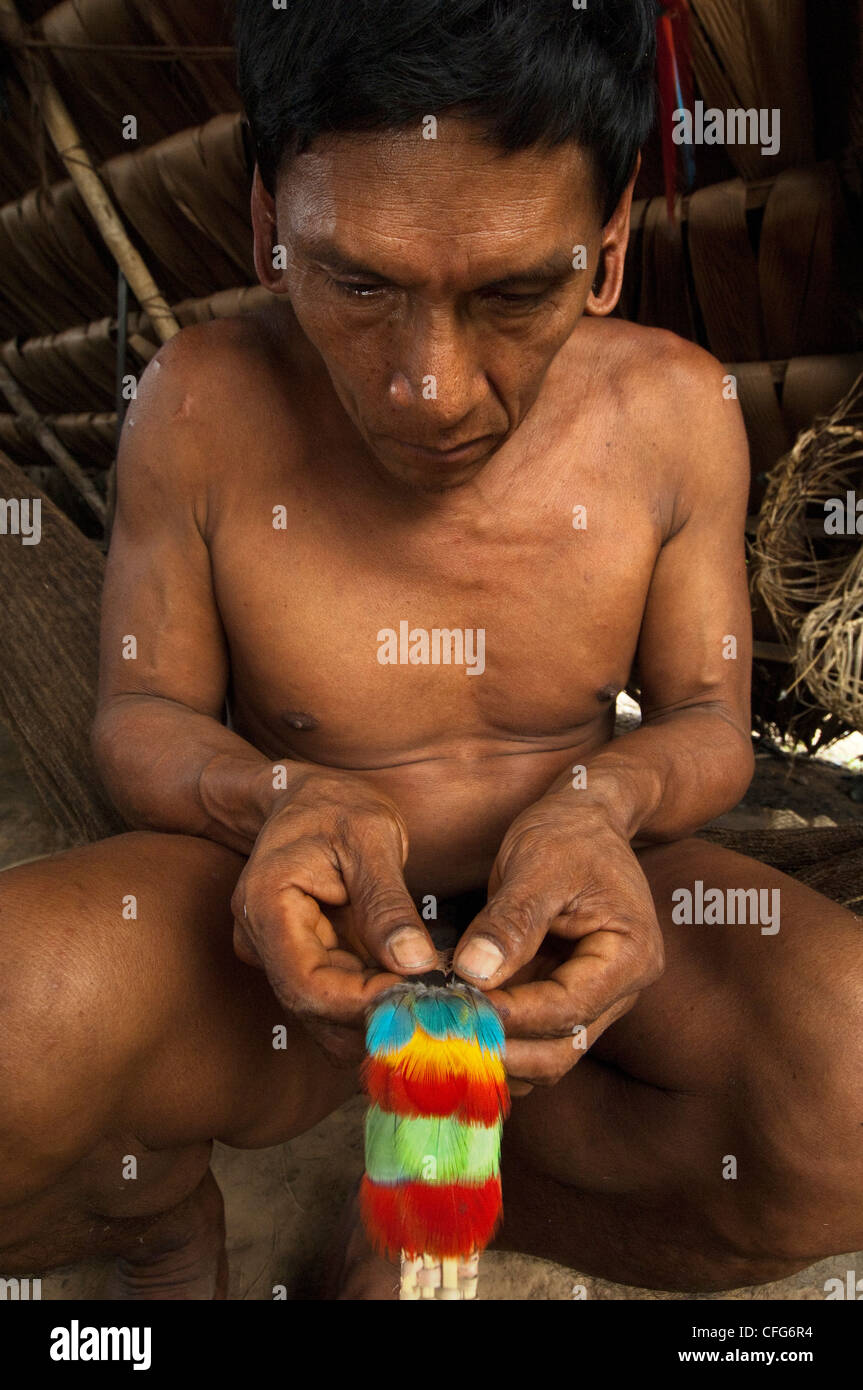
(33, 422)
(82, 171)
(772, 651)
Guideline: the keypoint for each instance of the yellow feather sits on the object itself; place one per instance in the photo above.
(431, 1058)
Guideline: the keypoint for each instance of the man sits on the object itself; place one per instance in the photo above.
(417, 523)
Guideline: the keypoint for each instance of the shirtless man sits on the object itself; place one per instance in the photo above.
(438, 425)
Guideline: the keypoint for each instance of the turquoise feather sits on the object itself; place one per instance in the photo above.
(488, 1027)
(391, 1025)
(444, 1015)
(454, 1013)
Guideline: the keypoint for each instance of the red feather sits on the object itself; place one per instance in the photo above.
(464, 1098)
(447, 1221)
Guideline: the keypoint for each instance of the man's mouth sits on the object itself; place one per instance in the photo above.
(460, 453)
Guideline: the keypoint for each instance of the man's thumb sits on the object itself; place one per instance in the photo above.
(507, 933)
(386, 919)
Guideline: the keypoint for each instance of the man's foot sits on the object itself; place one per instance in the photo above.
(182, 1256)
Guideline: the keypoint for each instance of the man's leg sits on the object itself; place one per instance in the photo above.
(713, 1137)
(132, 1037)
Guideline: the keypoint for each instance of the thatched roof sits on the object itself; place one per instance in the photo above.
(757, 272)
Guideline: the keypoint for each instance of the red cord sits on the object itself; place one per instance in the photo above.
(674, 76)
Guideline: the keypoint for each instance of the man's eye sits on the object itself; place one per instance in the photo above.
(357, 290)
(516, 301)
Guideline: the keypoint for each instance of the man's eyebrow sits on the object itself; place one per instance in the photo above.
(319, 249)
(555, 267)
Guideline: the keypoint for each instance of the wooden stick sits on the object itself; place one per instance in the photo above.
(409, 1289)
(468, 1276)
(430, 1276)
(67, 142)
(448, 1280)
(449, 1285)
(33, 423)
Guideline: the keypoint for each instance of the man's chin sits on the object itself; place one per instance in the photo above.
(433, 475)
(436, 485)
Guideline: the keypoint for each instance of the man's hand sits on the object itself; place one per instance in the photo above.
(332, 841)
(562, 875)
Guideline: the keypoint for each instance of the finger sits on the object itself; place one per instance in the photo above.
(505, 934)
(310, 979)
(325, 928)
(244, 948)
(605, 967)
(384, 915)
(545, 1061)
(539, 1063)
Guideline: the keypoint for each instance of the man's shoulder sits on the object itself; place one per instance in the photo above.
(666, 391)
(645, 367)
(672, 402)
(194, 403)
(188, 375)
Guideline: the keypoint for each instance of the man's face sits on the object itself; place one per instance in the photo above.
(436, 279)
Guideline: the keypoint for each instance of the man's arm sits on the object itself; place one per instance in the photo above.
(328, 839)
(691, 759)
(166, 759)
(566, 866)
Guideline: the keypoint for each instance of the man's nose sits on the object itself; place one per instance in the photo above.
(437, 369)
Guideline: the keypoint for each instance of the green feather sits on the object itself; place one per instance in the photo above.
(429, 1149)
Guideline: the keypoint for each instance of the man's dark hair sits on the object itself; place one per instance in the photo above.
(532, 72)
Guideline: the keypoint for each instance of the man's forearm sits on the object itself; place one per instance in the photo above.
(667, 778)
(167, 767)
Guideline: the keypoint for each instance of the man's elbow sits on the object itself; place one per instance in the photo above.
(725, 748)
(112, 743)
(732, 759)
(739, 757)
(734, 768)
(105, 739)
(747, 767)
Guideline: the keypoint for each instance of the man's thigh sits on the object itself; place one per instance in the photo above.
(755, 962)
(734, 1081)
(125, 1011)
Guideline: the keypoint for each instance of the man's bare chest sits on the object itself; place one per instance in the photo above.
(373, 641)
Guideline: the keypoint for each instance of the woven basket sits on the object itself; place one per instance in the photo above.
(810, 582)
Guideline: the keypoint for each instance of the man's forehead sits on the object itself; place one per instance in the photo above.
(469, 211)
(457, 178)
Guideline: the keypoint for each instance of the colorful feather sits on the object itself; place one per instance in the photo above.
(436, 1082)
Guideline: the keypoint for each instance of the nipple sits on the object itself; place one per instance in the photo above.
(296, 719)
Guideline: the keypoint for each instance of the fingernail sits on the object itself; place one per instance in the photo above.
(481, 958)
(410, 948)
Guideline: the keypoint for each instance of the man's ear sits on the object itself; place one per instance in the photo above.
(612, 254)
(266, 238)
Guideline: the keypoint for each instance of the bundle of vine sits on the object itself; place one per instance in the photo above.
(807, 563)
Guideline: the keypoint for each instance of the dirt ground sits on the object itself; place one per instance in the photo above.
(282, 1203)
(788, 792)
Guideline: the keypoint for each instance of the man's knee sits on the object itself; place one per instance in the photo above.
(87, 938)
(796, 1183)
(91, 902)
(787, 1008)
(797, 1225)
